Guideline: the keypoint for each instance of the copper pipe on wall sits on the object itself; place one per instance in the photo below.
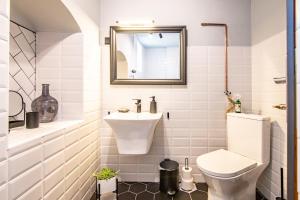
(227, 92)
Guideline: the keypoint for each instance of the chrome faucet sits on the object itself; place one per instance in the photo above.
(138, 105)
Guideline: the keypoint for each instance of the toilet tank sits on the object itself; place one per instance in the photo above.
(249, 135)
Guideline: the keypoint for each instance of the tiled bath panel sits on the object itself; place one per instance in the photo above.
(150, 191)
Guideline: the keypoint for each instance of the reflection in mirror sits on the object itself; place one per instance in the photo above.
(15, 103)
(16, 109)
(148, 55)
(122, 66)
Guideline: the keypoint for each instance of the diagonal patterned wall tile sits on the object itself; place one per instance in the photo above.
(14, 29)
(24, 82)
(13, 66)
(26, 67)
(22, 63)
(29, 35)
(13, 47)
(25, 46)
(13, 85)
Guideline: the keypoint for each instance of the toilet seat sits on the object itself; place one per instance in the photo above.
(224, 164)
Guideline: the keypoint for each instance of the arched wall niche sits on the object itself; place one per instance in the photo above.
(59, 47)
(46, 15)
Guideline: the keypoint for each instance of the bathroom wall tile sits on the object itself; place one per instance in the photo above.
(4, 8)
(13, 66)
(71, 50)
(53, 146)
(53, 179)
(24, 64)
(4, 191)
(72, 164)
(35, 193)
(72, 179)
(3, 172)
(14, 29)
(4, 28)
(3, 49)
(24, 182)
(53, 163)
(83, 190)
(22, 80)
(265, 94)
(3, 123)
(56, 192)
(3, 147)
(24, 45)
(48, 61)
(24, 161)
(29, 35)
(71, 191)
(72, 150)
(15, 147)
(72, 137)
(72, 61)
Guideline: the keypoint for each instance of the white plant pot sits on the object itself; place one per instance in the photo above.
(107, 185)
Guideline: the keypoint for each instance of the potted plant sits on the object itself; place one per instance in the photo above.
(106, 180)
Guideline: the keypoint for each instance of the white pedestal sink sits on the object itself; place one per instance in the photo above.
(133, 131)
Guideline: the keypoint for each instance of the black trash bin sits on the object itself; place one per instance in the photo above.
(169, 177)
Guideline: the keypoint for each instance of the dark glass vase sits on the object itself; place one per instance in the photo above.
(46, 105)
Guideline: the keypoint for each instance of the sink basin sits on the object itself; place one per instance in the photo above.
(133, 131)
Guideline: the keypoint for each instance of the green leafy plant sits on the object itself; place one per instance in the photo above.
(105, 174)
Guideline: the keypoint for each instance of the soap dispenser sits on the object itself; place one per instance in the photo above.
(153, 107)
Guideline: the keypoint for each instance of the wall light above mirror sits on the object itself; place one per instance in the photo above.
(148, 55)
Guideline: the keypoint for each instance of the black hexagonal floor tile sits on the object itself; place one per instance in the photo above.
(145, 196)
(137, 188)
(150, 191)
(180, 195)
(199, 195)
(122, 187)
(127, 196)
(162, 196)
(153, 187)
(202, 187)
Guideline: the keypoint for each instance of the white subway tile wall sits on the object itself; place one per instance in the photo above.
(197, 111)
(60, 165)
(4, 87)
(55, 53)
(22, 69)
(43, 171)
(269, 61)
(57, 166)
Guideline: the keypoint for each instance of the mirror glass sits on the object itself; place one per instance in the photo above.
(153, 55)
(148, 55)
(15, 103)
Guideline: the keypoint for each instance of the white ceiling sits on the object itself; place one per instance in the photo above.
(43, 15)
(154, 41)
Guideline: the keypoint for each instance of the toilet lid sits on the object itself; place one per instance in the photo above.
(224, 164)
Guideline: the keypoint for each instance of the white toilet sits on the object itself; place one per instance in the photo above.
(232, 174)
